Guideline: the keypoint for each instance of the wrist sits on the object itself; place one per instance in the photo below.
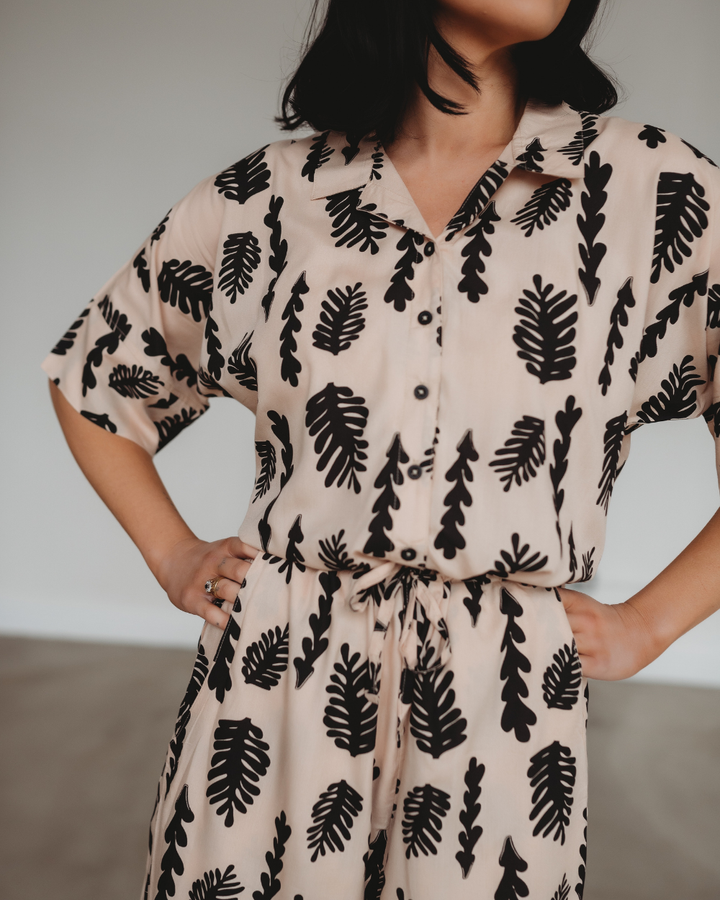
(653, 623)
(159, 557)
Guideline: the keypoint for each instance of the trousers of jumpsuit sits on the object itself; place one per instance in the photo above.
(396, 735)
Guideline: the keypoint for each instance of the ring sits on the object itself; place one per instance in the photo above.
(211, 586)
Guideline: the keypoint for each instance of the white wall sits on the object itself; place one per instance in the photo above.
(113, 111)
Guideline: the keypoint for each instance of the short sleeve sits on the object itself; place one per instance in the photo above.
(131, 362)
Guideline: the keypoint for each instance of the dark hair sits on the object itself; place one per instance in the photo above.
(360, 67)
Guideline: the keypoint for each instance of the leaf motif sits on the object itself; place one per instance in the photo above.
(278, 251)
(523, 453)
(678, 398)
(269, 881)
(653, 136)
(101, 419)
(220, 678)
(143, 272)
(266, 455)
(545, 333)
(333, 816)
(171, 426)
(532, 157)
(699, 154)
(449, 539)
(475, 588)
(341, 319)
(563, 891)
(313, 647)
(159, 229)
(134, 382)
(350, 718)
(320, 153)
(291, 366)
(561, 681)
(543, 208)
(374, 866)
(552, 774)
(239, 762)
(681, 217)
(106, 343)
(580, 886)
(588, 565)
(575, 150)
(293, 557)
(68, 339)
(511, 885)
(245, 178)
(399, 292)
(333, 553)
(180, 367)
(565, 419)
(175, 748)
(242, 365)
(424, 808)
(241, 257)
(197, 679)
(516, 715)
(618, 319)
(379, 542)
(265, 660)
(471, 833)
(216, 885)
(478, 198)
(435, 723)
(338, 418)
(477, 247)
(517, 560)
(593, 199)
(713, 310)
(352, 226)
(187, 287)
(175, 836)
(712, 417)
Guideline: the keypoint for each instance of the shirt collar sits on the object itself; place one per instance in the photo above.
(548, 140)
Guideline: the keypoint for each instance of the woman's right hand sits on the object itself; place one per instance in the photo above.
(190, 563)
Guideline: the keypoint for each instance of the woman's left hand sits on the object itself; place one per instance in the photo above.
(613, 640)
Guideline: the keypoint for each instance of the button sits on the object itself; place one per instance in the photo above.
(429, 248)
(421, 392)
(425, 317)
(408, 553)
(414, 472)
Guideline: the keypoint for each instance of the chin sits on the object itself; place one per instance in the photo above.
(505, 22)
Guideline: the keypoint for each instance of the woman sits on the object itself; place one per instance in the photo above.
(448, 308)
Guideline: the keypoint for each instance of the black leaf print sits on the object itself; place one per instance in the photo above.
(187, 286)
(350, 718)
(653, 136)
(134, 382)
(216, 885)
(682, 296)
(712, 417)
(175, 836)
(313, 647)
(143, 272)
(522, 454)
(563, 891)
(107, 343)
(713, 310)
(101, 419)
(477, 247)
(352, 226)
(352, 147)
(68, 339)
(241, 257)
(291, 365)
(197, 679)
(293, 557)
(246, 178)
(278, 251)
(175, 748)
(267, 659)
(341, 319)
(449, 539)
(338, 419)
(180, 367)
(424, 808)
(565, 419)
(592, 252)
(164, 402)
(699, 154)
(269, 881)
(333, 816)
(518, 561)
(545, 333)
(212, 342)
(281, 430)
(400, 293)
(511, 886)
(552, 774)
(575, 150)
(478, 198)
(159, 229)
(516, 716)
(471, 833)
(614, 434)
(333, 552)
(320, 153)
(242, 365)
(379, 543)
(171, 426)
(475, 589)
(573, 559)
(435, 723)
(681, 217)
(374, 866)
(618, 319)
(561, 681)
(677, 399)
(377, 162)
(220, 679)
(543, 208)
(208, 387)
(588, 565)
(532, 156)
(580, 886)
(239, 762)
(266, 454)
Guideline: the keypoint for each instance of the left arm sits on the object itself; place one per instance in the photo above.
(617, 640)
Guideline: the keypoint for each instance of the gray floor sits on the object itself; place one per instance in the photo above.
(84, 730)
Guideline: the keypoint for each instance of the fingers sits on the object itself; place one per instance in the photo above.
(233, 569)
(236, 547)
(227, 589)
(213, 614)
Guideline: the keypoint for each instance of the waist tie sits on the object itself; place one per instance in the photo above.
(421, 595)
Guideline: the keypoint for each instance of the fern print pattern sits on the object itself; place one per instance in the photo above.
(341, 319)
(333, 816)
(424, 809)
(681, 219)
(544, 207)
(522, 455)
(545, 332)
(239, 762)
(592, 251)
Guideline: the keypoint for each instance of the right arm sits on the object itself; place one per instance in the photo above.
(125, 478)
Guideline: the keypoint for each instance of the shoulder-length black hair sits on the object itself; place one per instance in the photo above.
(359, 68)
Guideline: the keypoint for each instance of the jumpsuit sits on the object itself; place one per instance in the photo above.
(396, 708)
